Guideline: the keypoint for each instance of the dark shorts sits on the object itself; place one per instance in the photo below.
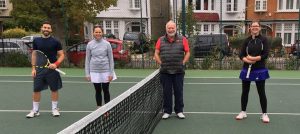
(255, 74)
(47, 78)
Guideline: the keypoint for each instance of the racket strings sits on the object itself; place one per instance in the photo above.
(253, 50)
(39, 59)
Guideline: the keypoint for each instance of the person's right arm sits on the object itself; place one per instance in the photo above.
(157, 51)
(243, 55)
(33, 71)
(87, 63)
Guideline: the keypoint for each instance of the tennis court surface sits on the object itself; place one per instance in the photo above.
(212, 100)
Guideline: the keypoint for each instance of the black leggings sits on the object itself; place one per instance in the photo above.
(260, 85)
(98, 94)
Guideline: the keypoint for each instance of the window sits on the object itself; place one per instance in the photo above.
(212, 27)
(296, 36)
(204, 5)
(134, 3)
(280, 4)
(287, 38)
(198, 5)
(288, 32)
(260, 5)
(116, 29)
(205, 28)
(278, 34)
(110, 27)
(288, 5)
(288, 27)
(231, 5)
(278, 27)
(3, 4)
(212, 4)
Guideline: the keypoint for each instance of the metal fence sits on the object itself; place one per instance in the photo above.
(18, 53)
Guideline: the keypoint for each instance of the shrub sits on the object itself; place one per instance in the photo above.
(14, 60)
(14, 33)
(207, 63)
(237, 41)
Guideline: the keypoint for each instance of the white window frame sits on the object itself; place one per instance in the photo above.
(134, 4)
(287, 31)
(282, 6)
(233, 4)
(262, 7)
(114, 27)
(210, 7)
(4, 5)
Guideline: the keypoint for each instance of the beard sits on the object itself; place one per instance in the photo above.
(46, 33)
(171, 34)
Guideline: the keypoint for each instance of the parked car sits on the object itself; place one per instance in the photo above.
(136, 42)
(11, 45)
(30, 38)
(76, 53)
(205, 45)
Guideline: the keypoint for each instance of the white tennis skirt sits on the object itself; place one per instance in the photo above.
(101, 77)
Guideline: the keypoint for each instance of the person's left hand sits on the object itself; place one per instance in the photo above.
(110, 78)
(52, 66)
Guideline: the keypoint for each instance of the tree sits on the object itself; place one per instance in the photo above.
(63, 14)
(190, 20)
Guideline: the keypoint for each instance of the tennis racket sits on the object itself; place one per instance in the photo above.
(254, 48)
(40, 60)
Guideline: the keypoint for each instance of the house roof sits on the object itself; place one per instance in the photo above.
(207, 17)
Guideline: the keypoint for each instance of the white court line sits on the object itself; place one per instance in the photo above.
(188, 83)
(208, 113)
(79, 82)
(44, 111)
(204, 77)
(231, 113)
(239, 83)
(70, 76)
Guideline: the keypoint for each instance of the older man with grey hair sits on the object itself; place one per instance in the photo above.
(172, 52)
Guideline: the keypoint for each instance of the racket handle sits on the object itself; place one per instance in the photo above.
(248, 71)
(61, 72)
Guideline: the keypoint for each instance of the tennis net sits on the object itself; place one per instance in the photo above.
(136, 111)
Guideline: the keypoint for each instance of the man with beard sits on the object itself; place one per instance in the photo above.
(44, 77)
(172, 52)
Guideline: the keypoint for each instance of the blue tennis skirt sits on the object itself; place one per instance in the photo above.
(255, 74)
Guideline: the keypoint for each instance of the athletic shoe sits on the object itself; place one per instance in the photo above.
(180, 115)
(165, 116)
(32, 114)
(265, 118)
(241, 115)
(55, 113)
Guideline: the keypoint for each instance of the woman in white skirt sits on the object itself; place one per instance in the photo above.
(99, 65)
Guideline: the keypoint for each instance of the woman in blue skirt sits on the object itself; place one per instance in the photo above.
(254, 54)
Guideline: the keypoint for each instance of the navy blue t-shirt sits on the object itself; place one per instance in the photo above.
(48, 46)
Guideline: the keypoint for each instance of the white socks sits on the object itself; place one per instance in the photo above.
(54, 105)
(35, 106)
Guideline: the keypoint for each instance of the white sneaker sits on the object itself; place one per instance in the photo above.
(165, 116)
(55, 113)
(32, 114)
(241, 115)
(265, 118)
(180, 115)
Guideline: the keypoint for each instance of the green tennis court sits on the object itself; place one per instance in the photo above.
(212, 100)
